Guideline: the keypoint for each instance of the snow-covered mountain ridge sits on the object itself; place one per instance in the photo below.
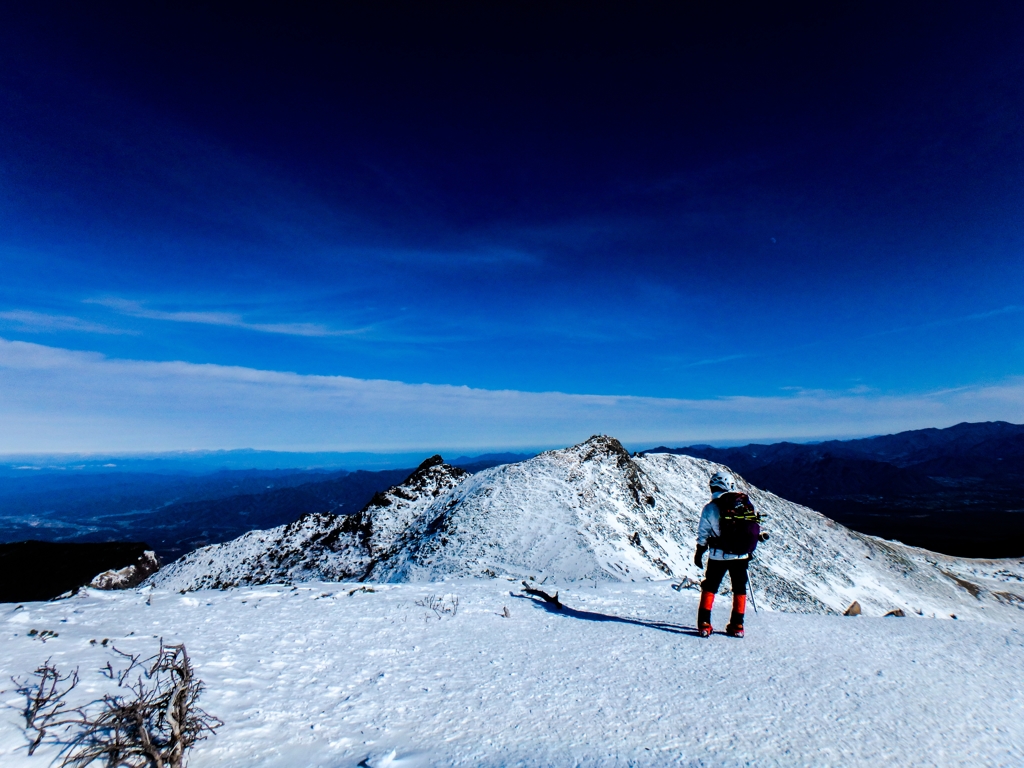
(317, 545)
(593, 512)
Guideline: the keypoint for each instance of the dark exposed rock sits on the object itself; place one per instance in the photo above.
(973, 589)
(433, 461)
(129, 576)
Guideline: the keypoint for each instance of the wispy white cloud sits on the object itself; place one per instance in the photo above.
(716, 360)
(1010, 309)
(54, 399)
(40, 322)
(229, 319)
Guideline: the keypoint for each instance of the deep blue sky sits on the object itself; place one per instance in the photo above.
(506, 197)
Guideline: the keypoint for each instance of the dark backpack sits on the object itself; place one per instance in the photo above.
(739, 523)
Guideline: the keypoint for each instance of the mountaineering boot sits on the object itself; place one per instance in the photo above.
(739, 607)
(707, 600)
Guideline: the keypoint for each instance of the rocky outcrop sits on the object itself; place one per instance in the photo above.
(389, 515)
(129, 576)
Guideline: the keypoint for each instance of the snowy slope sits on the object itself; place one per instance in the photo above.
(593, 512)
(324, 674)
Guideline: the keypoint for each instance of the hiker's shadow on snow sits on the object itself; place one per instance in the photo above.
(575, 613)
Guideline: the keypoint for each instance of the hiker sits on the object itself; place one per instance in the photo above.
(730, 528)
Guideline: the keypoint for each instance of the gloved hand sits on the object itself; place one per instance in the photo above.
(698, 556)
(763, 537)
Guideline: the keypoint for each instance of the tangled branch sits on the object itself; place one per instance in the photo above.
(45, 705)
(153, 723)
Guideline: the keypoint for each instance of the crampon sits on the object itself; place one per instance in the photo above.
(734, 630)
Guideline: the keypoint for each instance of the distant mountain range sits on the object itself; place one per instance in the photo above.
(958, 490)
(985, 450)
(208, 462)
(174, 514)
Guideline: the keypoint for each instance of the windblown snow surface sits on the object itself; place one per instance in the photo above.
(326, 674)
(319, 646)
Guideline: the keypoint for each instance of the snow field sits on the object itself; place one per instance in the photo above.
(312, 675)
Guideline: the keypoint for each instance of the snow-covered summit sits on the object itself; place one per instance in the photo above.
(594, 512)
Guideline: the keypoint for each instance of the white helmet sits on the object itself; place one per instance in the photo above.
(723, 481)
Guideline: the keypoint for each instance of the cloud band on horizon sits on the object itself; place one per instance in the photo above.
(59, 400)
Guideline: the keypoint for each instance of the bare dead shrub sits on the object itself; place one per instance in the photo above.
(152, 723)
(448, 605)
(45, 700)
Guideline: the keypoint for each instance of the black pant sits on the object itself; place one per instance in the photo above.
(737, 574)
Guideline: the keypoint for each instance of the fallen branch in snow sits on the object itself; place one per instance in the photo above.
(553, 599)
(153, 726)
(686, 583)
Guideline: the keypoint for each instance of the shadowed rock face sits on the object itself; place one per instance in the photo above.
(593, 512)
(42, 570)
